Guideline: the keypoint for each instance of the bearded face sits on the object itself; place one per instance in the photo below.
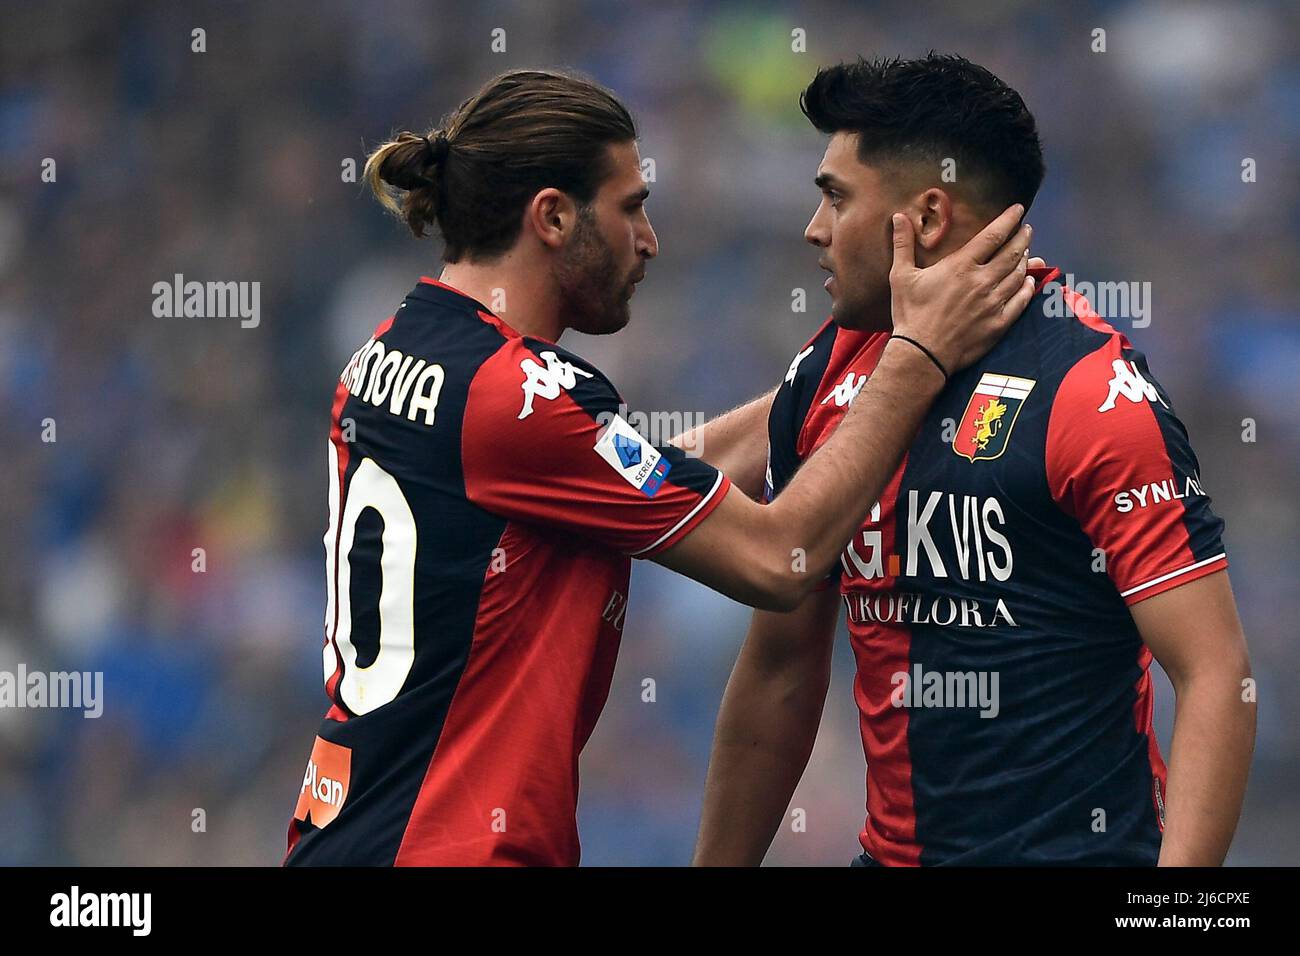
(594, 287)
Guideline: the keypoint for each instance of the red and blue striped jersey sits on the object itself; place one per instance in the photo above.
(485, 500)
(1003, 689)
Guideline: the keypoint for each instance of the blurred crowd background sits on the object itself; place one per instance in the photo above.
(174, 434)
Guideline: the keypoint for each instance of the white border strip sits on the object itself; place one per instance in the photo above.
(1004, 386)
(689, 515)
(1173, 574)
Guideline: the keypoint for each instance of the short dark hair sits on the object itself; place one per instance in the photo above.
(929, 109)
(523, 131)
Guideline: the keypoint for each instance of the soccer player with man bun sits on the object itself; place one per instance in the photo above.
(481, 519)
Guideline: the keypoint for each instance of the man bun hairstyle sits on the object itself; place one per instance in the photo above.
(523, 131)
(930, 109)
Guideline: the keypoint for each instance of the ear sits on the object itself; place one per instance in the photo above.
(933, 218)
(550, 217)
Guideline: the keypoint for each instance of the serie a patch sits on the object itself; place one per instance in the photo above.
(985, 426)
(641, 464)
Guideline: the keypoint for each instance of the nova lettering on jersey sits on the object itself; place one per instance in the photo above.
(410, 386)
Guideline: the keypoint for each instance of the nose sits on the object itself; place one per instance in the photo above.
(647, 243)
(818, 230)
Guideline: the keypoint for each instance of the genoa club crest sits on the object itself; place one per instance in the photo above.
(985, 426)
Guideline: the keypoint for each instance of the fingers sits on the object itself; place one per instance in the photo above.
(1017, 303)
(1037, 262)
(904, 245)
(1007, 285)
(1011, 256)
(991, 238)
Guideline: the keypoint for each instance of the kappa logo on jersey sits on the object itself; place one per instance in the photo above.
(793, 370)
(641, 464)
(546, 382)
(985, 426)
(325, 784)
(846, 391)
(1128, 381)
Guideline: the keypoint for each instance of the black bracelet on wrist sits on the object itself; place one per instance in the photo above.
(928, 354)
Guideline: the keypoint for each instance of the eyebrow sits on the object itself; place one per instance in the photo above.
(827, 181)
(641, 196)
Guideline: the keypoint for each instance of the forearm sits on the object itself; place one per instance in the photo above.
(1214, 737)
(735, 443)
(765, 734)
(773, 556)
(851, 470)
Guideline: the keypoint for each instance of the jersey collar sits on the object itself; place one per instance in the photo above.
(439, 293)
(1043, 275)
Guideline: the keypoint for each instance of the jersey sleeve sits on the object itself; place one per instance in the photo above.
(790, 407)
(1119, 461)
(782, 433)
(544, 442)
(785, 420)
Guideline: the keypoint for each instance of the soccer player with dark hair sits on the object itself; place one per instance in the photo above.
(1046, 533)
(481, 519)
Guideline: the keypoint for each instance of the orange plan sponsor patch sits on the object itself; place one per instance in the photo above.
(325, 784)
